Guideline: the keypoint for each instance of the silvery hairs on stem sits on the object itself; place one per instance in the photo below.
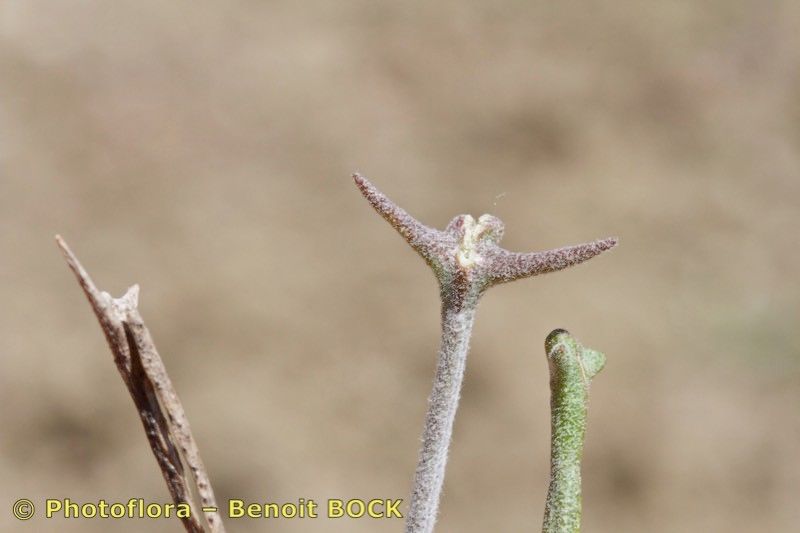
(467, 260)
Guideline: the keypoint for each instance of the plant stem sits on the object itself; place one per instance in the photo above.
(571, 369)
(466, 259)
(160, 410)
(442, 405)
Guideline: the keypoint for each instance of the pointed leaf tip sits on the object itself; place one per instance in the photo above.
(420, 237)
(608, 242)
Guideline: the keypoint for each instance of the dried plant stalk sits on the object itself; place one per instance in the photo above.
(157, 403)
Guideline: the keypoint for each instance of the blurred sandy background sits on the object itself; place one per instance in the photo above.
(204, 149)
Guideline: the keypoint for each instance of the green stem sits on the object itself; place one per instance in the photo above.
(571, 369)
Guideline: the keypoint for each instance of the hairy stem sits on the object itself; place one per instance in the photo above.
(571, 369)
(466, 259)
(442, 405)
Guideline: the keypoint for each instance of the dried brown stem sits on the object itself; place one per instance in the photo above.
(157, 403)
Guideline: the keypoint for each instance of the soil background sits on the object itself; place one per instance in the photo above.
(204, 151)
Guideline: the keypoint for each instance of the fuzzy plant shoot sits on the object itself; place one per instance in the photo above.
(572, 367)
(466, 259)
